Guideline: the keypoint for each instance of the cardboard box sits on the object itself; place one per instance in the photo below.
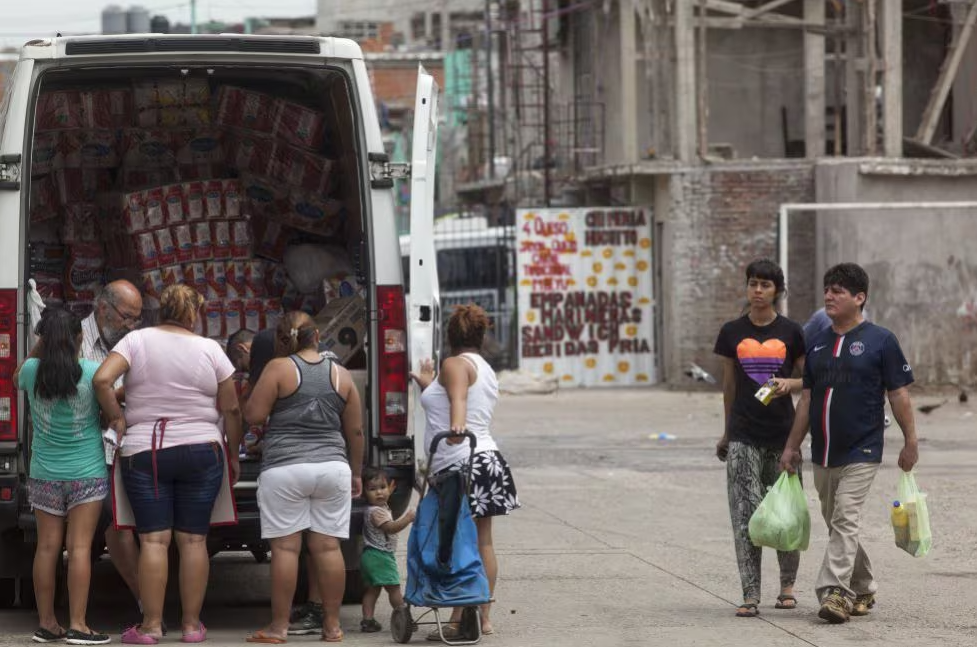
(342, 326)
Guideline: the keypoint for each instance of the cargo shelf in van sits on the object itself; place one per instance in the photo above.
(192, 44)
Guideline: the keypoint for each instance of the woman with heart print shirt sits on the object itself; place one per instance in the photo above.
(759, 346)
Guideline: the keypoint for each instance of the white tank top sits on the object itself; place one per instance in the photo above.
(483, 395)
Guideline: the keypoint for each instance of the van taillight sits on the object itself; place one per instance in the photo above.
(8, 363)
(392, 329)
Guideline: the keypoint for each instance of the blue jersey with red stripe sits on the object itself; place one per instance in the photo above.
(848, 376)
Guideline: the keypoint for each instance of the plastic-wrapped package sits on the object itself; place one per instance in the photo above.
(155, 210)
(165, 246)
(300, 169)
(201, 172)
(80, 223)
(152, 283)
(222, 238)
(216, 272)
(195, 275)
(134, 212)
(254, 278)
(214, 199)
(188, 117)
(240, 239)
(299, 125)
(59, 110)
(240, 108)
(173, 204)
(237, 281)
(264, 197)
(134, 179)
(271, 239)
(272, 312)
(50, 285)
(90, 149)
(47, 155)
(253, 311)
(203, 245)
(107, 108)
(183, 238)
(232, 198)
(171, 93)
(146, 250)
(85, 271)
(172, 275)
(44, 200)
(276, 279)
(233, 316)
(251, 153)
(213, 319)
(201, 147)
(313, 213)
(308, 265)
(81, 185)
(149, 148)
(195, 200)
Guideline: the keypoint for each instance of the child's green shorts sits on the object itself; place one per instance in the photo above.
(379, 568)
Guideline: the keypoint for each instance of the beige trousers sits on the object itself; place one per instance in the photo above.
(843, 491)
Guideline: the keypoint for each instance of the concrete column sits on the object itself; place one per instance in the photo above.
(892, 66)
(814, 104)
(686, 126)
(629, 82)
(854, 89)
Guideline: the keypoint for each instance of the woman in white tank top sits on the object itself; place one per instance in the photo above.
(463, 397)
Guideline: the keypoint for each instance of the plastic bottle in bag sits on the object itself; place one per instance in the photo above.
(900, 524)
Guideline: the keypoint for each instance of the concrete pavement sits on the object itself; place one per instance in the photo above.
(624, 539)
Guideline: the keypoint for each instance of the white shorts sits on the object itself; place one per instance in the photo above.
(307, 496)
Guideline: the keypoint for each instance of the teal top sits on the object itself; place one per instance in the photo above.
(67, 442)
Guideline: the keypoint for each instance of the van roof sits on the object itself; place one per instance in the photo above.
(148, 44)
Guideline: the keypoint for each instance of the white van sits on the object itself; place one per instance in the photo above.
(112, 148)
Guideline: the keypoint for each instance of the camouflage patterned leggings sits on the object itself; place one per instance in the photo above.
(750, 471)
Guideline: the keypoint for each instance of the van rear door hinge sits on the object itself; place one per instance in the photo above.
(10, 172)
(383, 172)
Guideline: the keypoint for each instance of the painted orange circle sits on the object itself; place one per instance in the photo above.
(631, 331)
(548, 367)
(590, 362)
(642, 266)
(607, 253)
(644, 243)
(530, 316)
(598, 268)
(592, 281)
(623, 367)
(633, 281)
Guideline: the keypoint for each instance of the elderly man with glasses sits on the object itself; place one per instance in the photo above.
(118, 311)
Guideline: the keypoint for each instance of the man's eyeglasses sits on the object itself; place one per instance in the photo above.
(126, 319)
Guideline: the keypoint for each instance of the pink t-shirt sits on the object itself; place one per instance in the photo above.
(171, 376)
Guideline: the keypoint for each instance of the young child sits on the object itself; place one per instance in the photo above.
(379, 543)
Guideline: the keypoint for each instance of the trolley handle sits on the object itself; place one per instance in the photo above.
(444, 435)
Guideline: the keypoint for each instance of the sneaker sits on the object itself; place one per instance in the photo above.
(300, 610)
(862, 604)
(42, 635)
(835, 607)
(310, 623)
(370, 626)
(74, 637)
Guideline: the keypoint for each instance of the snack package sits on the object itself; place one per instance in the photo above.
(240, 108)
(310, 212)
(195, 200)
(173, 204)
(152, 283)
(155, 211)
(172, 275)
(79, 224)
(149, 148)
(240, 239)
(134, 212)
(213, 319)
(233, 316)
(203, 246)
(107, 108)
(237, 282)
(47, 154)
(338, 287)
(188, 117)
(165, 246)
(50, 286)
(201, 147)
(301, 169)
(44, 200)
(254, 279)
(232, 198)
(195, 275)
(59, 110)
(85, 272)
(90, 149)
(216, 279)
(276, 279)
(222, 238)
(253, 315)
(250, 153)
(146, 250)
(81, 184)
(272, 312)
(171, 93)
(183, 238)
(214, 199)
(271, 239)
(299, 125)
(264, 197)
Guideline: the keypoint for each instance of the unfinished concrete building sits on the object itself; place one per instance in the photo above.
(716, 113)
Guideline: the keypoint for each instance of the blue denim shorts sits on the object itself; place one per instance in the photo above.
(181, 493)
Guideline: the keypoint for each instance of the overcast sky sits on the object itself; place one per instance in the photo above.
(20, 21)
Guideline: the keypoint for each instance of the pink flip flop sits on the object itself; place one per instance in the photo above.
(197, 636)
(132, 636)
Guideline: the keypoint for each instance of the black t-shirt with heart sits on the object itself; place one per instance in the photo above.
(759, 353)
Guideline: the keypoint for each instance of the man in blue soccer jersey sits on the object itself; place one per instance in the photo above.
(849, 369)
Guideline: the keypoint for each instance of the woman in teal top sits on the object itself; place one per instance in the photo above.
(68, 477)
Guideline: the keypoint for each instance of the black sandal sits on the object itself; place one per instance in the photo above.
(752, 611)
(782, 599)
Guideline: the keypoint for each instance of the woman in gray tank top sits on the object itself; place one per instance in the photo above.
(307, 480)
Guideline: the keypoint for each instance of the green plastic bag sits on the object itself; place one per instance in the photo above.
(920, 535)
(782, 520)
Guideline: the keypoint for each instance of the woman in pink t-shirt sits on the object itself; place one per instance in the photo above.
(178, 386)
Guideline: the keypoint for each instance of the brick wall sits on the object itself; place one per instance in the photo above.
(718, 220)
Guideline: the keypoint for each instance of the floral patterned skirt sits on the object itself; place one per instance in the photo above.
(493, 492)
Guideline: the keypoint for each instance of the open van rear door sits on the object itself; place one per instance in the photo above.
(424, 317)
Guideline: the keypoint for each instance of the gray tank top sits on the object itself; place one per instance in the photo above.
(307, 426)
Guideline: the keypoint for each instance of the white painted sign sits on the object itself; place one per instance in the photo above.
(585, 295)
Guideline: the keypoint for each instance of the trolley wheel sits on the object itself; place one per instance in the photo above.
(471, 623)
(401, 624)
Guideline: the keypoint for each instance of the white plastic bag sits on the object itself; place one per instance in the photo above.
(35, 306)
(308, 265)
